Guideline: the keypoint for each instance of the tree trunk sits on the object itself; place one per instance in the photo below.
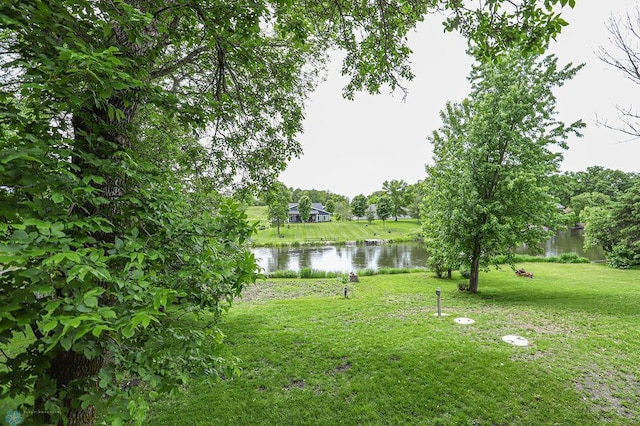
(475, 267)
(69, 370)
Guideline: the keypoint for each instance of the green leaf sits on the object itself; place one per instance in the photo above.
(57, 198)
(11, 157)
(119, 244)
(90, 301)
(46, 327)
(66, 342)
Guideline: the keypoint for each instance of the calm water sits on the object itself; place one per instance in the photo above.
(404, 255)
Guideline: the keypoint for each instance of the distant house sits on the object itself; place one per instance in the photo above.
(318, 213)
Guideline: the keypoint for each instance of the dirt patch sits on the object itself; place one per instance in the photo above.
(530, 356)
(611, 392)
(340, 369)
(267, 290)
(295, 384)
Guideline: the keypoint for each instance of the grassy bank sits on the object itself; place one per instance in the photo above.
(330, 232)
(380, 356)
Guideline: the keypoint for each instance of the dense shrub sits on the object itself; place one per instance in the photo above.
(573, 258)
(520, 258)
(283, 274)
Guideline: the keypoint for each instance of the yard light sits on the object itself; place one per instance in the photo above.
(438, 294)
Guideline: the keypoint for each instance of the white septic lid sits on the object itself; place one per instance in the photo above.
(464, 320)
(516, 340)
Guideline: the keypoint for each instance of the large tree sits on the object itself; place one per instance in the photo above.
(493, 157)
(122, 124)
(398, 191)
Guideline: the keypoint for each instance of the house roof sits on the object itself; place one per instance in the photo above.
(316, 208)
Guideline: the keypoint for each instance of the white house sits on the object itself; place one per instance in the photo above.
(318, 213)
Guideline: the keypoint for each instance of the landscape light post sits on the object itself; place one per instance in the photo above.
(438, 294)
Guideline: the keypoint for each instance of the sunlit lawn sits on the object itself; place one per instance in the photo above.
(380, 356)
(319, 233)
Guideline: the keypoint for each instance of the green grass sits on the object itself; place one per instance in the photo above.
(330, 232)
(257, 214)
(381, 357)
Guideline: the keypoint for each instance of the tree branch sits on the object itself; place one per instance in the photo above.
(187, 59)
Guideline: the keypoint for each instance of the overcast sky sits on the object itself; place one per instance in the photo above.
(352, 147)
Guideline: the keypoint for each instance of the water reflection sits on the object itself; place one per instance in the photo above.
(566, 242)
(342, 258)
(405, 255)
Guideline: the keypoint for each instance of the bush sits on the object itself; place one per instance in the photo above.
(283, 274)
(311, 273)
(520, 258)
(391, 271)
(572, 258)
(465, 273)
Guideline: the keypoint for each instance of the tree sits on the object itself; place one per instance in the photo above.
(123, 124)
(605, 181)
(564, 186)
(359, 205)
(588, 199)
(384, 208)
(370, 214)
(415, 200)
(304, 208)
(616, 229)
(331, 205)
(599, 227)
(397, 190)
(342, 211)
(493, 159)
(595, 179)
(278, 198)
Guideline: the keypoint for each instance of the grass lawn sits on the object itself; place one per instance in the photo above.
(318, 233)
(381, 357)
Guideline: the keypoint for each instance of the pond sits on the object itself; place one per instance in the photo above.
(402, 255)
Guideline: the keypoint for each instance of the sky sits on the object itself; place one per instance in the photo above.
(352, 147)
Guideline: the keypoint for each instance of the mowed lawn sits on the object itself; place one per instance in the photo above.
(317, 233)
(310, 356)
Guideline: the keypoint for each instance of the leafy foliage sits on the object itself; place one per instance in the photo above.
(123, 126)
(616, 228)
(398, 191)
(359, 205)
(493, 156)
(384, 208)
(278, 198)
(304, 208)
(588, 199)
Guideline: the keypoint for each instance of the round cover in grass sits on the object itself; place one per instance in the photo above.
(464, 320)
(516, 340)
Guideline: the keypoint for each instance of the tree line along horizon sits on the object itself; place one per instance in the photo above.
(127, 126)
(596, 186)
